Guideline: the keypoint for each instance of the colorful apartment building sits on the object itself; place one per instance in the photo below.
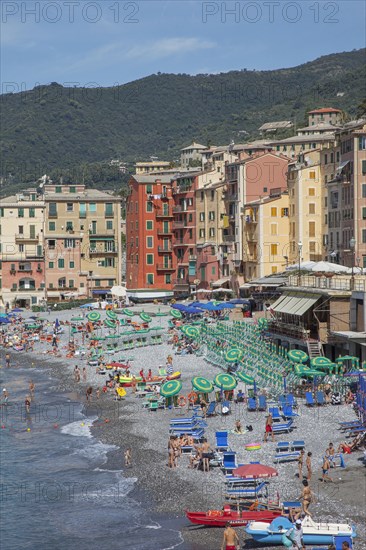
(326, 115)
(150, 261)
(265, 235)
(22, 280)
(82, 241)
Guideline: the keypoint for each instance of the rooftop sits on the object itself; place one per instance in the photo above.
(321, 126)
(87, 194)
(324, 110)
(306, 138)
(151, 178)
(280, 124)
(194, 145)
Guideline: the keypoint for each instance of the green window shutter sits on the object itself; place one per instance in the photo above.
(71, 283)
(32, 212)
(32, 231)
(72, 265)
(1, 212)
(149, 189)
(82, 210)
(150, 278)
(149, 259)
(364, 167)
(109, 225)
(109, 209)
(61, 263)
(58, 189)
(51, 265)
(51, 226)
(39, 250)
(149, 225)
(20, 212)
(52, 210)
(97, 283)
(72, 189)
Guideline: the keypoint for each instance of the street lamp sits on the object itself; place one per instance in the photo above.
(352, 245)
(299, 248)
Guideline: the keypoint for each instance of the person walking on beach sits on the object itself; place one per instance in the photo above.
(7, 360)
(84, 374)
(306, 497)
(300, 462)
(294, 536)
(32, 388)
(325, 470)
(308, 466)
(330, 452)
(268, 428)
(88, 393)
(27, 404)
(128, 454)
(5, 396)
(231, 540)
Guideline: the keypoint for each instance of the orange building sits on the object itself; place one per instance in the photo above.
(150, 262)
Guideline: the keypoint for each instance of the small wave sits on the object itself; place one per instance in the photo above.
(80, 428)
(97, 451)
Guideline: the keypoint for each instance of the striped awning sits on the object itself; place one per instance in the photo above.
(295, 303)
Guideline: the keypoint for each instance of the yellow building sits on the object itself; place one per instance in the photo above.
(265, 235)
(307, 199)
(22, 249)
(82, 241)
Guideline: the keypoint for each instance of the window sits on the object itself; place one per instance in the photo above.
(149, 206)
(312, 246)
(273, 212)
(274, 269)
(363, 169)
(311, 191)
(51, 226)
(312, 208)
(58, 189)
(52, 209)
(311, 229)
(212, 194)
(61, 263)
(72, 265)
(149, 189)
(109, 246)
(149, 278)
(312, 174)
(149, 242)
(273, 229)
(20, 212)
(136, 225)
(72, 189)
(109, 262)
(364, 190)
(97, 282)
(71, 283)
(362, 143)
(211, 216)
(137, 259)
(284, 212)
(69, 243)
(274, 248)
(92, 207)
(168, 279)
(51, 265)
(325, 159)
(363, 236)
(212, 232)
(109, 225)
(202, 233)
(364, 213)
(69, 226)
(21, 229)
(62, 282)
(82, 210)
(100, 263)
(21, 248)
(109, 209)
(202, 216)
(149, 225)
(149, 259)
(51, 244)
(69, 207)
(1, 212)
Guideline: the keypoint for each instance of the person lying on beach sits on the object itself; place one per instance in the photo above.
(344, 448)
(195, 457)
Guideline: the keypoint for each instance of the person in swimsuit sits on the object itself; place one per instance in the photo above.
(203, 405)
(327, 391)
(238, 428)
(7, 359)
(27, 404)
(308, 466)
(306, 497)
(300, 462)
(268, 428)
(128, 457)
(231, 539)
(206, 455)
(325, 470)
(330, 453)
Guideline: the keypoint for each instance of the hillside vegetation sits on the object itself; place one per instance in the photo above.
(74, 132)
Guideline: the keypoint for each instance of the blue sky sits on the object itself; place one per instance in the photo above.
(107, 42)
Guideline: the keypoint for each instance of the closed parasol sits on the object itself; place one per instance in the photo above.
(255, 471)
(171, 388)
(202, 384)
(226, 382)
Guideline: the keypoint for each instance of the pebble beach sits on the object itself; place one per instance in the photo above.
(125, 423)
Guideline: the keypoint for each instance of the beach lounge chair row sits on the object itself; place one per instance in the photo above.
(319, 399)
(281, 428)
(287, 400)
(255, 491)
(286, 414)
(260, 405)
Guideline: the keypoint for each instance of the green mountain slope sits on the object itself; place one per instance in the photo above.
(55, 130)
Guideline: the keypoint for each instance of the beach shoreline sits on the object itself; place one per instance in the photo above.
(125, 423)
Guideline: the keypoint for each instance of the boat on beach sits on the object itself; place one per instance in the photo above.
(238, 518)
(321, 533)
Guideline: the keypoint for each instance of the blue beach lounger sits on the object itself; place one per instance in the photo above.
(309, 399)
(222, 441)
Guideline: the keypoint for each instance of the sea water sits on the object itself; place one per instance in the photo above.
(55, 489)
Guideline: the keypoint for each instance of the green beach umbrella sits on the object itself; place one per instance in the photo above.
(216, 302)
(191, 332)
(97, 338)
(225, 382)
(233, 354)
(109, 323)
(76, 319)
(297, 356)
(244, 377)
(171, 388)
(93, 316)
(128, 312)
(111, 336)
(145, 317)
(320, 362)
(111, 314)
(312, 373)
(32, 326)
(202, 384)
(175, 313)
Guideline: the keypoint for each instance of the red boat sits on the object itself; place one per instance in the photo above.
(218, 518)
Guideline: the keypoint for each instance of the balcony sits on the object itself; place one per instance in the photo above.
(181, 242)
(228, 238)
(164, 267)
(28, 271)
(339, 282)
(179, 224)
(21, 238)
(102, 233)
(179, 209)
(181, 283)
(192, 257)
(101, 252)
(182, 261)
(162, 233)
(163, 250)
(164, 213)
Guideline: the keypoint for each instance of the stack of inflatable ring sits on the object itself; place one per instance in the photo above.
(252, 446)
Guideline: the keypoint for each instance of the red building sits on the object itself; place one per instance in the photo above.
(150, 262)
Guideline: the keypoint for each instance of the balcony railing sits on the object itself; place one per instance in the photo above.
(183, 283)
(358, 283)
(178, 209)
(164, 267)
(162, 232)
(102, 233)
(20, 237)
(100, 251)
(28, 271)
(181, 242)
(228, 238)
(179, 224)
(164, 213)
(163, 250)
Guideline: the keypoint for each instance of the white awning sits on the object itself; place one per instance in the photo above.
(295, 303)
(221, 282)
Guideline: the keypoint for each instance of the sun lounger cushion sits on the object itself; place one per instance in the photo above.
(287, 457)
